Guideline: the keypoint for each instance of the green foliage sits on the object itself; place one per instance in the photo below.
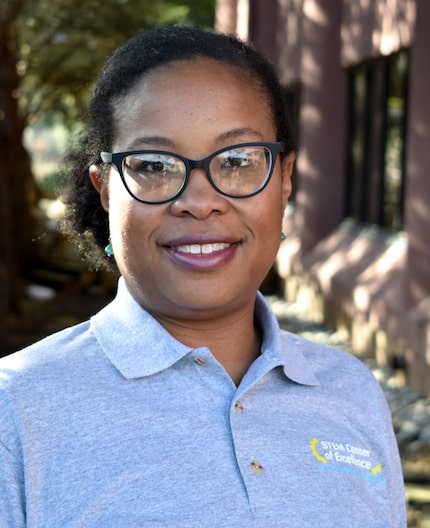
(62, 44)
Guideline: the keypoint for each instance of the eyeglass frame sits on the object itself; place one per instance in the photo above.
(117, 158)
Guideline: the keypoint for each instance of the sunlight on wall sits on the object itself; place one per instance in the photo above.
(242, 23)
(226, 16)
(311, 69)
(370, 29)
(380, 276)
(312, 115)
(314, 12)
(290, 14)
(394, 31)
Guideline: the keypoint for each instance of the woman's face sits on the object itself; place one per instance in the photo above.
(194, 108)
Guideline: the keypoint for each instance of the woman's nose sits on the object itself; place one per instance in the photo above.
(199, 198)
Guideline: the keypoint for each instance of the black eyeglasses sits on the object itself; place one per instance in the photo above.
(158, 176)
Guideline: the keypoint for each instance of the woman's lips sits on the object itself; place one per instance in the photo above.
(206, 256)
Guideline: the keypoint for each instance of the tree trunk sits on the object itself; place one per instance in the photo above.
(16, 183)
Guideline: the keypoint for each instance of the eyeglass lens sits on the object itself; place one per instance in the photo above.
(237, 172)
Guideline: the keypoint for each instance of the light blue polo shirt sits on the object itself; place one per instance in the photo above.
(113, 423)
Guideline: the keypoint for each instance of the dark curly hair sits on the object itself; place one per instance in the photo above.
(86, 221)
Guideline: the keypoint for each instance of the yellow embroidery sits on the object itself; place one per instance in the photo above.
(313, 445)
(377, 469)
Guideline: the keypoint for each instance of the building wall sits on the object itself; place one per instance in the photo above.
(372, 28)
(303, 38)
(418, 160)
(373, 285)
(417, 269)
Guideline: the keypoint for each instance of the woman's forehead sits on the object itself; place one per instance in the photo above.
(181, 89)
(203, 70)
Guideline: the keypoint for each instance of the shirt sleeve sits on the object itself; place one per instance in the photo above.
(12, 494)
(395, 487)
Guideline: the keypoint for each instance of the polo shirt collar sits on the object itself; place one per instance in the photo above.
(138, 345)
(132, 339)
(283, 349)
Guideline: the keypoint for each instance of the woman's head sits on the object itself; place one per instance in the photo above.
(158, 47)
(126, 68)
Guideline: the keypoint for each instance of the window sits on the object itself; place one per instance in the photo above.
(375, 172)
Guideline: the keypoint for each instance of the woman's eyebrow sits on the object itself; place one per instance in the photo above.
(150, 140)
(237, 133)
(229, 135)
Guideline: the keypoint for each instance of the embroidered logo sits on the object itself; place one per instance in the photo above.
(346, 458)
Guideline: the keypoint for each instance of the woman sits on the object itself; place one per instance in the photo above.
(182, 404)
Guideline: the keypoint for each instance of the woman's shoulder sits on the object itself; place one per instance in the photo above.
(52, 352)
(331, 365)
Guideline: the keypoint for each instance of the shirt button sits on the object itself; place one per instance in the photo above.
(200, 361)
(256, 467)
(238, 407)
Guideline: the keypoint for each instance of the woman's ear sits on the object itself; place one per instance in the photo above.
(101, 185)
(287, 170)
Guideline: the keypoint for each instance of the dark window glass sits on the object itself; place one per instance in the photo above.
(375, 170)
(358, 155)
(394, 151)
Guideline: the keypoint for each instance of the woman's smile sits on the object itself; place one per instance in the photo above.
(201, 249)
(207, 256)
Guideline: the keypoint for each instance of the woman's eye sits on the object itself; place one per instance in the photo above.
(237, 161)
(152, 166)
(155, 166)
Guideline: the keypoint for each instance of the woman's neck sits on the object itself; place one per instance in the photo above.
(235, 341)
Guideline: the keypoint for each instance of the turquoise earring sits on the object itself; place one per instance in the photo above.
(283, 237)
(109, 250)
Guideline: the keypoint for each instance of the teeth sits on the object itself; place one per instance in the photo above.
(204, 249)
